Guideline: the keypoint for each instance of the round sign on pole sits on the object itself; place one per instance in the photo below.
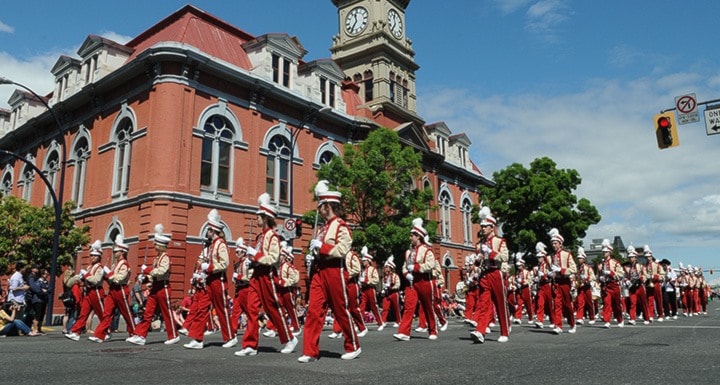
(290, 224)
(686, 104)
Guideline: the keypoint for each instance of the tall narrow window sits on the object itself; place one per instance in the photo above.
(277, 170)
(276, 68)
(286, 73)
(28, 177)
(52, 166)
(323, 90)
(368, 85)
(80, 154)
(6, 186)
(466, 209)
(445, 203)
(216, 154)
(121, 177)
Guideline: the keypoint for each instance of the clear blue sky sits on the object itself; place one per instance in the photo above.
(578, 81)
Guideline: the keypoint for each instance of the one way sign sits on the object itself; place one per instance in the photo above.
(712, 119)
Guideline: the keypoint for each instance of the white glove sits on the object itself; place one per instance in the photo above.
(143, 267)
(247, 262)
(486, 249)
(251, 251)
(541, 273)
(309, 260)
(386, 285)
(606, 272)
(409, 277)
(234, 278)
(551, 274)
(583, 277)
(204, 266)
(203, 275)
(411, 267)
(556, 268)
(196, 276)
(315, 244)
(106, 270)
(83, 272)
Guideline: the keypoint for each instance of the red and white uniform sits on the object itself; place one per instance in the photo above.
(391, 300)
(263, 291)
(563, 283)
(118, 297)
(159, 276)
(353, 266)
(523, 279)
(638, 298)
(287, 280)
(242, 288)
(437, 282)
(328, 288)
(584, 278)
(544, 302)
(493, 293)
(369, 279)
(93, 298)
(421, 260)
(611, 274)
(656, 275)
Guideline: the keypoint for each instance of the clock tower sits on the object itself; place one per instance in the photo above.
(373, 50)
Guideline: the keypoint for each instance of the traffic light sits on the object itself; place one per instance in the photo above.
(666, 130)
(298, 228)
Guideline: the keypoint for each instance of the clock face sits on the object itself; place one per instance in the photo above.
(356, 20)
(395, 23)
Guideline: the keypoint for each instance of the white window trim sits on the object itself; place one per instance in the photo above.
(80, 165)
(125, 113)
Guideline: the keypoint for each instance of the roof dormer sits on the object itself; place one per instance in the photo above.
(459, 145)
(275, 57)
(66, 71)
(440, 134)
(321, 80)
(101, 56)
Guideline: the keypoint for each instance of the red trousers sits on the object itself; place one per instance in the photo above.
(328, 289)
(199, 314)
(263, 293)
(638, 297)
(471, 302)
(563, 302)
(492, 296)
(287, 297)
(368, 298)
(240, 305)
(118, 297)
(655, 300)
(524, 298)
(353, 294)
(391, 301)
(437, 308)
(585, 302)
(217, 290)
(92, 300)
(420, 292)
(612, 302)
(545, 303)
(159, 297)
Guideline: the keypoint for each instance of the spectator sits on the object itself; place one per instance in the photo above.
(71, 285)
(40, 289)
(17, 287)
(9, 324)
(137, 299)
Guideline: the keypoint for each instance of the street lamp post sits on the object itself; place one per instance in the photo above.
(57, 197)
(294, 133)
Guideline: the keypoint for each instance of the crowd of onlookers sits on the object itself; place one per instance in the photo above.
(25, 301)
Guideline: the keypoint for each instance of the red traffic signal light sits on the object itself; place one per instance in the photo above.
(298, 228)
(666, 130)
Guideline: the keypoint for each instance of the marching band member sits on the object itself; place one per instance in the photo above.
(543, 278)
(369, 279)
(199, 317)
(470, 274)
(523, 279)
(702, 288)
(263, 292)
(391, 295)
(492, 253)
(94, 297)
(118, 276)
(419, 261)
(329, 277)
(353, 266)
(159, 276)
(437, 283)
(241, 278)
(287, 280)
(637, 275)
(611, 274)
(563, 265)
(656, 275)
(585, 279)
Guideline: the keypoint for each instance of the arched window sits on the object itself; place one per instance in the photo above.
(121, 138)
(446, 204)
(7, 182)
(26, 180)
(113, 230)
(427, 186)
(325, 153)
(277, 168)
(79, 158)
(51, 168)
(215, 168)
(466, 209)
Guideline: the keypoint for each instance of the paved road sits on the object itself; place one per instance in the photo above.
(673, 352)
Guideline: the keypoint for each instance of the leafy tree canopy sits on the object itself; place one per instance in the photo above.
(26, 233)
(529, 202)
(377, 180)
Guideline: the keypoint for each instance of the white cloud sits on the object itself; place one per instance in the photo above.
(544, 16)
(33, 72)
(6, 28)
(667, 198)
(510, 6)
(116, 37)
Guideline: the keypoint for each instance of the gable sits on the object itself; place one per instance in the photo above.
(412, 135)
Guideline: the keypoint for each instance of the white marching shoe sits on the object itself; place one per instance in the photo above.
(194, 344)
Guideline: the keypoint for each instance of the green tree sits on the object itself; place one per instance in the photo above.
(376, 179)
(26, 233)
(529, 202)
